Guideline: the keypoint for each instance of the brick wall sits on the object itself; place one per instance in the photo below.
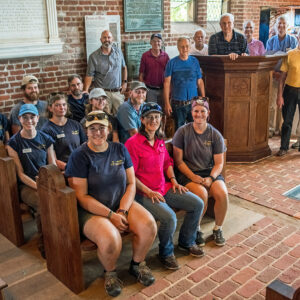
(53, 71)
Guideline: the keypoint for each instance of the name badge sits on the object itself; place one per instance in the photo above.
(59, 136)
(28, 150)
(75, 132)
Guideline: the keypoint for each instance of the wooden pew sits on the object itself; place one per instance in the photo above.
(277, 290)
(10, 214)
(58, 207)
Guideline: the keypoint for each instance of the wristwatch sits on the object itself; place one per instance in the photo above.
(125, 81)
(123, 211)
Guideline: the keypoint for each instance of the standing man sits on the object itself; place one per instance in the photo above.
(31, 96)
(199, 48)
(107, 67)
(76, 98)
(289, 97)
(183, 80)
(152, 69)
(129, 112)
(227, 42)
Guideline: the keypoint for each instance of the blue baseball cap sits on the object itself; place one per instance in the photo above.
(150, 107)
(28, 109)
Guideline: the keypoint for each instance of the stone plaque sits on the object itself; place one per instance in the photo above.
(134, 52)
(143, 15)
(94, 25)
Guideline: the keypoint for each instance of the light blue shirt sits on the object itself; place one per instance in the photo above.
(274, 44)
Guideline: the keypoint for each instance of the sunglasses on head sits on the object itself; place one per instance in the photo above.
(151, 106)
(200, 100)
(102, 116)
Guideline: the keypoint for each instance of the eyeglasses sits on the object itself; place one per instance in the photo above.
(102, 116)
(95, 129)
(151, 106)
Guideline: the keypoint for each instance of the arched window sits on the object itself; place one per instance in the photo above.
(183, 10)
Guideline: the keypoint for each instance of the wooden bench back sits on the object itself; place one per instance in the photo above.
(10, 215)
(58, 206)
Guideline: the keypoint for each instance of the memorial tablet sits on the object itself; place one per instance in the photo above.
(134, 51)
(143, 15)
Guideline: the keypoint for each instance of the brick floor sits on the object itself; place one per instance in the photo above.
(239, 271)
(265, 181)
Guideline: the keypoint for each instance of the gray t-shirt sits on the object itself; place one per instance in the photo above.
(41, 107)
(106, 69)
(199, 149)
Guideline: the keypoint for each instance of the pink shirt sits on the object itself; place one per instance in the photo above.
(256, 48)
(150, 162)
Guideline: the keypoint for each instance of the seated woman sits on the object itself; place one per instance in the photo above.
(31, 149)
(66, 133)
(198, 150)
(152, 163)
(98, 101)
(102, 176)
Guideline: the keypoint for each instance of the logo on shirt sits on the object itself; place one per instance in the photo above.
(117, 162)
(27, 150)
(59, 136)
(207, 143)
(75, 132)
(42, 146)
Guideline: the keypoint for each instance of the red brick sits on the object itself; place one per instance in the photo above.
(290, 275)
(235, 240)
(185, 296)
(278, 251)
(179, 288)
(283, 262)
(201, 274)
(258, 250)
(220, 261)
(244, 275)
(161, 297)
(235, 297)
(216, 251)
(223, 274)
(295, 252)
(268, 274)
(198, 262)
(292, 241)
(250, 288)
(137, 296)
(225, 289)
(241, 262)
(268, 230)
(258, 297)
(253, 240)
(203, 288)
(155, 288)
(182, 272)
(237, 251)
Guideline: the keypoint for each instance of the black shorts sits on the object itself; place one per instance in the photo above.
(183, 180)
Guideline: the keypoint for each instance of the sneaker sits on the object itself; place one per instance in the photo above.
(142, 273)
(169, 262)
(195, 250)
(281, 152)
(112, 284)
(296, 145)
(199, 239)
(218, 237)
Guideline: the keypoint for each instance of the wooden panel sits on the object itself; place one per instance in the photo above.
(60, 228)
(10, 215)
(239, 86)
(263, 84)
(261, 122)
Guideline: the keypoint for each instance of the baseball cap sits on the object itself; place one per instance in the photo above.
(150, 107)
(134, 85)
(28, 79)
(97, 93)
(202, 101)
(156, 35)
(28, 109)
(97, 117)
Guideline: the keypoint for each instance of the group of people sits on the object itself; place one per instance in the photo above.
(113, 153)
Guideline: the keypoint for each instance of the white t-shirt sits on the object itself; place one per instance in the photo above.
(202, 52)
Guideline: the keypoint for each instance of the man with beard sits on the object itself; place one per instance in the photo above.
(77, 99)
(106, 66)
(129, 112)
(31, 96)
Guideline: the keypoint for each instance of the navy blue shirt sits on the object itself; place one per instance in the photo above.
(105, 172)
(77, 106)
(32, 152)
(3, 127)
(66, 138)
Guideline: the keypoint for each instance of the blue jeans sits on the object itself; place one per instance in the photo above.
(162, 212)
(182, 114)
(291, 96)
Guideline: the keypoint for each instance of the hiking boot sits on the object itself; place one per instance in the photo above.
(199, 239)
(194, 250)
(281, 152)
(296, 145)
(169, 262)
(218, 237)
(112, 284)
(142, 273)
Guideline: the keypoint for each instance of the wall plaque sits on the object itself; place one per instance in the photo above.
(133, 54)
(143, 15)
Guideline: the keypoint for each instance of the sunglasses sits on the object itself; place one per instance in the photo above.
(102, 116)
(200, 100)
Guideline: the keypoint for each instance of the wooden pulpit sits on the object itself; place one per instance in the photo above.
(239, 93)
